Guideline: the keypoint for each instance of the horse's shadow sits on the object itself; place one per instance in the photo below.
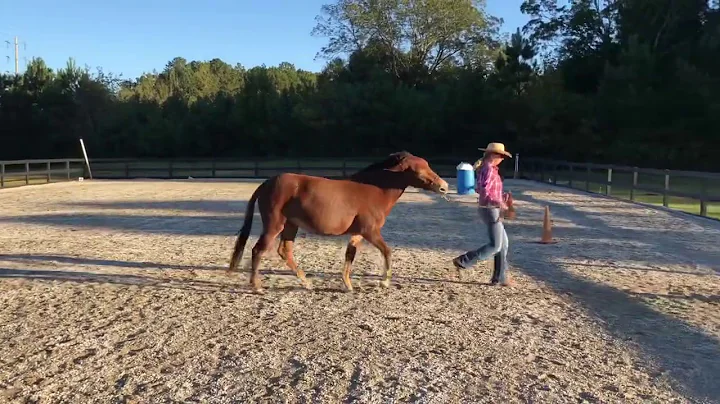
(156, 275)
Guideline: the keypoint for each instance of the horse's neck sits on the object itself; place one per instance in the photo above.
(393, 194)
(392, 184)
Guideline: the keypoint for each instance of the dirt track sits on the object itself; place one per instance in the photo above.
(114, 292)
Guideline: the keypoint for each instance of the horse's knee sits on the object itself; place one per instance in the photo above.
(262, 245)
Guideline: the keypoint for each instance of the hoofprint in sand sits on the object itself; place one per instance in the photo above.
(116, 292)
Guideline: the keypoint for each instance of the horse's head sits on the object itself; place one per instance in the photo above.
(418, 173)
(408, 170)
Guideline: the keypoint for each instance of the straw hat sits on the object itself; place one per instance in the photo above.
(494, 147)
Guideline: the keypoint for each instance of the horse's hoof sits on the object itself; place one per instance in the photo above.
(259, 291)
(385, 283)
(348, 289)
(307, 286)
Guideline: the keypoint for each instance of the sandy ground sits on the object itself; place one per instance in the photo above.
(115, 292)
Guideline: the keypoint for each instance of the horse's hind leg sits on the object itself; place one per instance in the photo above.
(285, 250)
(264, 243)
(349, 258)
(376, 239)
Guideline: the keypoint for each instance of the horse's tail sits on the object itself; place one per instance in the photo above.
(244, 232)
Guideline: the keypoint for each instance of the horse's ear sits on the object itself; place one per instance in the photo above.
(400, 156)
(403, 158)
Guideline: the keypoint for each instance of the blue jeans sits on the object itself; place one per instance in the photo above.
(496, 247)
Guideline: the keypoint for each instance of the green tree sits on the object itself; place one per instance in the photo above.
(417, 37)
(624, 81)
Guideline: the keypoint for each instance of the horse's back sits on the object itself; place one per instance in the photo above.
(304, 182)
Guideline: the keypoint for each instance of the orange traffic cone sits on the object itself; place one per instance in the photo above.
(547, 228)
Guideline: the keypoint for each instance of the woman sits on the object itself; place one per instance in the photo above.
(492, 201)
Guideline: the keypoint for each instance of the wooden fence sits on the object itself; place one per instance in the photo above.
(682, 190)
(26, 172)
(241, 168)
(690, 191)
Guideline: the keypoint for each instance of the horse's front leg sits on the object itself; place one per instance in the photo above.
(349, 258)
(376, 239)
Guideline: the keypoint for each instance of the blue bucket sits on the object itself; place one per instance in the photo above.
(465, 179)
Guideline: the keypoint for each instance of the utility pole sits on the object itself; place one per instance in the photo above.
(16, 48)
(17, 57)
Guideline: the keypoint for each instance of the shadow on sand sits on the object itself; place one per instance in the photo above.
(238, 277)
(686, 354)
(683, 352)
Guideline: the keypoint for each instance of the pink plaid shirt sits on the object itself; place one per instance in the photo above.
(489, 186)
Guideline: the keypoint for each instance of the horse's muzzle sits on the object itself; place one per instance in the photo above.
(442, 187)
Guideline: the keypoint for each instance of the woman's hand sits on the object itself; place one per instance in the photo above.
(508, 208)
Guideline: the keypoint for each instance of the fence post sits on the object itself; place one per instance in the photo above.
(703, 197)
(555, 166)
(299, 167)
(570, 174)
(542, 170)
(170, 169)
(67, 169)
(517, 165)
(27, 173)
(127, 170)
(2, 175)
(634, 184)
(47, 165)
(608, 187)
(213, 168)
(587, 178)
(666, 188)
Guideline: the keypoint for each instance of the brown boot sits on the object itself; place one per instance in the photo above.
(508, 282)
(458, 267)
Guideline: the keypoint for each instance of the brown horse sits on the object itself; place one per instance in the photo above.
(356, 206)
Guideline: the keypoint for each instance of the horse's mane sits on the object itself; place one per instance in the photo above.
(390, 161)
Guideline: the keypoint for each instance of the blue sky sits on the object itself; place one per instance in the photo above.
(134, 36)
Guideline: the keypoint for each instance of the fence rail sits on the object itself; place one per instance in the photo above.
(688, 188)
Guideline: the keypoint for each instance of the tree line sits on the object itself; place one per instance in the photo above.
(622, 81)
